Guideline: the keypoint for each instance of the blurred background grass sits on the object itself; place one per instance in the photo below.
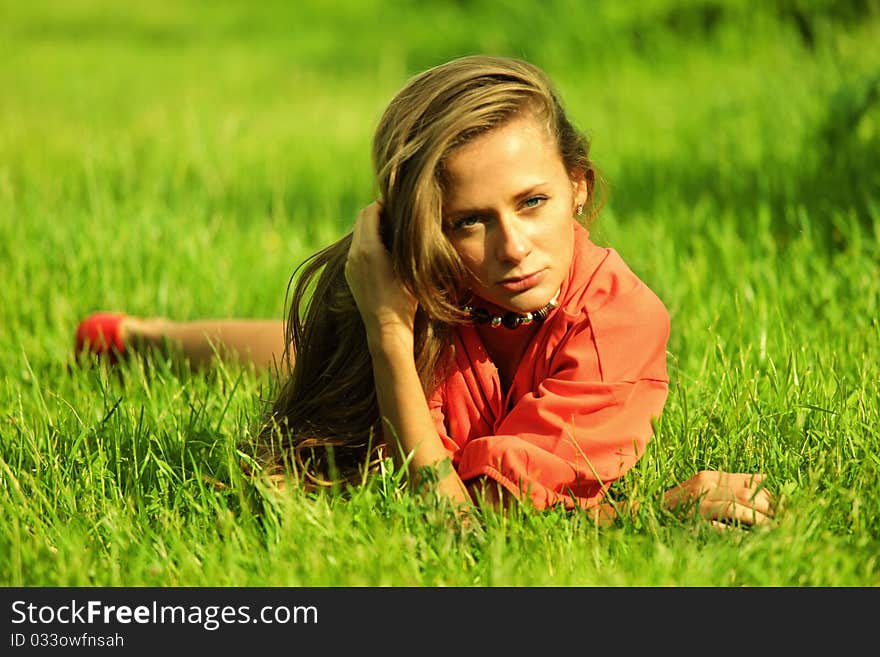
(222, 117)
(181, 158)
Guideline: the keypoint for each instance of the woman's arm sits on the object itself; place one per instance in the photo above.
(408, 426)
(388, 312)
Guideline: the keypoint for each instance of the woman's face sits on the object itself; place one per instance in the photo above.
(508, 211)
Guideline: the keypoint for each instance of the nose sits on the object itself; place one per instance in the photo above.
(512, 241)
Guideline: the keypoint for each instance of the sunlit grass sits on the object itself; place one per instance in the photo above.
(182, 160)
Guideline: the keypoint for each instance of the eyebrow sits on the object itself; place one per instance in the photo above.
(520, 196)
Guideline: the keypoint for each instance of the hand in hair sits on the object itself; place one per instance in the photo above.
(388, 311)
(386, 307)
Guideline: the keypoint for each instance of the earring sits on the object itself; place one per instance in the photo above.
(580, 209)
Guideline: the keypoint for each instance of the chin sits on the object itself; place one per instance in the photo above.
(529, 300)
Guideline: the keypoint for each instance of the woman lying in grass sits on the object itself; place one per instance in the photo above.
(468, 318)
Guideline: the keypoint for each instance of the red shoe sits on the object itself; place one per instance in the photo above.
(100, 334)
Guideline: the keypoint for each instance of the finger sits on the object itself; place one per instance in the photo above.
(754, 491)
(749, 515)
(724, 479)
(720, 526)
(356, 251)
(740, 479)
(760, 500)
(369, 225)
(729, 510)
(356, 232)
(362, 242)
(740, 512)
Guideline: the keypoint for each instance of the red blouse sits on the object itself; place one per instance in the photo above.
(577, 414)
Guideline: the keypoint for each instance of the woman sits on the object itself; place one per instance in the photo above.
(468, 318)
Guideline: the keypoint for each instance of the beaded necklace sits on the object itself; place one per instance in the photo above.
(512, 320)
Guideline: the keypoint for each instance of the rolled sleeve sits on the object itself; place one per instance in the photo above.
(565, 446)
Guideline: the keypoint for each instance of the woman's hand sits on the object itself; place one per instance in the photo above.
(388, 311)
(723, 497)
(386, 307)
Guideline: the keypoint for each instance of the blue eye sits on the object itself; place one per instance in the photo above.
(466, 222)
(534, 201)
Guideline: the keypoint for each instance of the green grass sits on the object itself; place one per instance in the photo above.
(181, 158)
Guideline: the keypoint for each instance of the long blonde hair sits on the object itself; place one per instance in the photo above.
(326, 418)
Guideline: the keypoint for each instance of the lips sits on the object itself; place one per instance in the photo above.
(521, 283)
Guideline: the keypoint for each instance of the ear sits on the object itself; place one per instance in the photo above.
(581, 186)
